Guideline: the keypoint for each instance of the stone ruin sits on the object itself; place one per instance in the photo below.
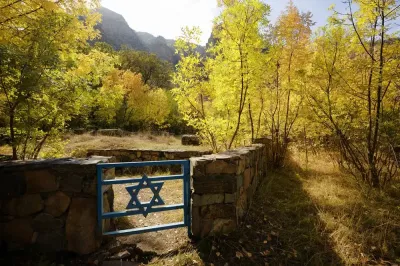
(190, 140)
(51, 204)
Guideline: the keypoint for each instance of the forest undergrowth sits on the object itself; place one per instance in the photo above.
(307, 214)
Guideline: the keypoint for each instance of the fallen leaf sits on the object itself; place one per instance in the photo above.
(239, 254)
(265, 253)
(248, 254)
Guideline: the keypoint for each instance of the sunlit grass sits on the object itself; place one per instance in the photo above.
(183, 258)
(78, 145)
(363, 224)
(5, 149)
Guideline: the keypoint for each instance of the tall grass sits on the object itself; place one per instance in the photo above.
(363, 223)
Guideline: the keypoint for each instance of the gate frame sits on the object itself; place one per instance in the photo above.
(186, 206)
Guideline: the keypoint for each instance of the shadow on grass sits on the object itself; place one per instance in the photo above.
(281, 228)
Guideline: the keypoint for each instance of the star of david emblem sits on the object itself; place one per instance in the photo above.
(134, 202)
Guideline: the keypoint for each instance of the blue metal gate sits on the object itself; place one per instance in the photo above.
(156, 204)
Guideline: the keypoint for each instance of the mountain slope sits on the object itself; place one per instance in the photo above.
(160, 46)
(115, 31)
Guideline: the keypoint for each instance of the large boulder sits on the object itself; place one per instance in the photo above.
(190, 140)
(81, 226)
(29, 204)
(57, 203)
(17, 232)
(45, 222)
(38, 181)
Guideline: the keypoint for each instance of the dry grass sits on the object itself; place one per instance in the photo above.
(184, 257)
(363, 224)
(5, 150)
(77, 145)
(307, 215)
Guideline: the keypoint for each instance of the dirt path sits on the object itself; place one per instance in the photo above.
(160, 242)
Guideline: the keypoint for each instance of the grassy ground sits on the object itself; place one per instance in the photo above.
(307, 215)
(77, 145)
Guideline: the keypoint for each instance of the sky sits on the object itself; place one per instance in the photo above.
(167, 17)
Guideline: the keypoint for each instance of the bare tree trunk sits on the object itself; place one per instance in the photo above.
(39, 147)
(251, 124)
(12, 135)
(374, 173)
(243, 94)
(259, 117)
(305, 145)
(371, 151)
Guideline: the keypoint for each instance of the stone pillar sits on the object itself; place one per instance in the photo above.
(223, 187)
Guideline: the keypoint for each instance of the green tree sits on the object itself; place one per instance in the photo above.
(213, 94)
(155, 72)
(35, 94)
(286, 66)
(125, 101)
(357, 96)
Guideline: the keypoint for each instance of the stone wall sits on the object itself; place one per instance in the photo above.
(223, 187)
(138, 155)
(267, 141)
(51, 205)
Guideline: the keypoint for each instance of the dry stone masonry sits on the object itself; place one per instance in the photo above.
(139, 155)
(190, 140)
(51, 205)
(223, 186)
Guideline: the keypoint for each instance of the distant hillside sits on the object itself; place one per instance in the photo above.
(160, 46)
(115, 31)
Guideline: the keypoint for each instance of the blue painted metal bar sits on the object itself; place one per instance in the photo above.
(137, 180)
(145, 229)
(142, 164)
(99, 199)
(186, 196)
(134, 212)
